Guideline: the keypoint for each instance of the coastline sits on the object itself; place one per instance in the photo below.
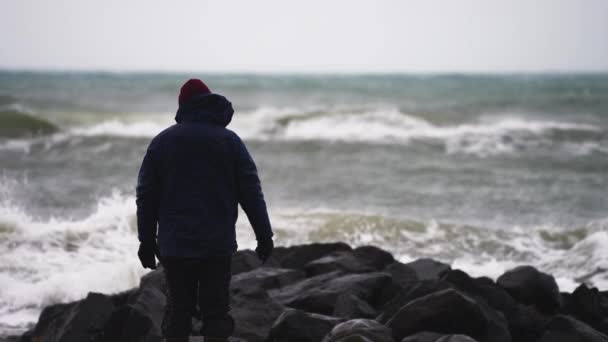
(331, 291)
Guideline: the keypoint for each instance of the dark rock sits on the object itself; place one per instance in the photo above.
(247, 260)
(374, 256)
(425, 336)
(155, 279)
(402, 275)
(254, 315)
(338, 261)
(525, 324)
(359, 330)
(484, 281)
(449, 312)
(529, 286)
(461, 281)
(264, 278)
(320, 293)
(145, 317)
(407, 294)
(428, 269)
(455, 338)
(298, 256)
(348, 305)
(83, 320)
(567, 329)
(588, 305)
(140, 316)
(434, 337)
(299, 326)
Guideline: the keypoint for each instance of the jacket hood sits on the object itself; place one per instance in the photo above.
(207, 108)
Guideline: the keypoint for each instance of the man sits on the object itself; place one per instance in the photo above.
(192, 178)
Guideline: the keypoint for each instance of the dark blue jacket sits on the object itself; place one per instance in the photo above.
(193, 176)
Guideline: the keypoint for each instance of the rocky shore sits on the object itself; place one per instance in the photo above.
(334, 293)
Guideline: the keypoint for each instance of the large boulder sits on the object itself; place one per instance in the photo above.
(449, 312)
(567, 329)
(455, 338)
(254, 314)
(247, 260)
(530, 286)
(428, 269)
(348, 305)
(588, 305)
(402, 275)
(298, 256)
(83, 320)
(374, 256)
(359, 330)
(416, 271)
(425, 336)
(409, 293)
(344, 261)
(299, 326)
(525, 323)
(264, 278)
(320, 293)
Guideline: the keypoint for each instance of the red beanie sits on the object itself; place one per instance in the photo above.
(192, 87)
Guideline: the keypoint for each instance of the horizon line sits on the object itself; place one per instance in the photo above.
(305, 72)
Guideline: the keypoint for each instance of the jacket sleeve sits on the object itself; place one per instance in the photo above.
(147, 192)
(250, 193)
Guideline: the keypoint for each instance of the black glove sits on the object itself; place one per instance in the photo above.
(264, 249)
(146, 255)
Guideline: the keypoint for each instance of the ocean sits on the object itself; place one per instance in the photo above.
(485, 172)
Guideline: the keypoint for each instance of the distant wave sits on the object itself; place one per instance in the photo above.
(501, 134)
(15, 123)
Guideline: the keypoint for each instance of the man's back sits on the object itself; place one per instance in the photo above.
(192, 178)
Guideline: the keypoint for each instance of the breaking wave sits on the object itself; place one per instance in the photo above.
(15, 123)
(486, 136)
(59, 259)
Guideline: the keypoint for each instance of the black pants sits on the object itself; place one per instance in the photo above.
(205, 282)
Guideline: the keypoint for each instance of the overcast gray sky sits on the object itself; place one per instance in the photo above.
(306, 35)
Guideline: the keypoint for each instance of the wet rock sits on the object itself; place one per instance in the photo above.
(428, 269)
(299, 326)
(525, 323)
(588, 305)
(346, 262)
(425, 336)
(407, 294)
(402, 275)
(142, 319)
(455, 338)
(83, 320)
(247, 260)
(298, 256)
(320, 293)
(254, 315)
(529, 286)
(434, 337)
(359, 330)
(567, 329)
(449, 312)
(374, 256)
(264, 278)
(348, 305)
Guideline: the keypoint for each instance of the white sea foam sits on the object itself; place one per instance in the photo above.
(59, 260)
(502, 134)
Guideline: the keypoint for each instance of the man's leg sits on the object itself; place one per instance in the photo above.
(214, 298)
(181, 280)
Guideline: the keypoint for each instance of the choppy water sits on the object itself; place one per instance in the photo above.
(485, 172)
